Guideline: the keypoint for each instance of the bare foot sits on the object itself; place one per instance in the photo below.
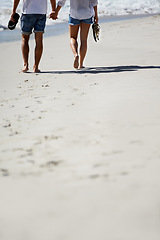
(25, 69)
(81, 67)
(36, 70)
(76, 62)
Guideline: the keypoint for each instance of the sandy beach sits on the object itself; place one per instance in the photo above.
(80, 150)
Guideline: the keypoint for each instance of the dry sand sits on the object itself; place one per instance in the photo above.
(80, 150)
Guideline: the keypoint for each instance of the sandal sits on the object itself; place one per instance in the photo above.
(96, 31)
(11, 24)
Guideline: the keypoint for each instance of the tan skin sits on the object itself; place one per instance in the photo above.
(25, 42)
(73, 30)
(38, 51)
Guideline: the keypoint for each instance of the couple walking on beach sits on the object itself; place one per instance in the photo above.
(82, 14)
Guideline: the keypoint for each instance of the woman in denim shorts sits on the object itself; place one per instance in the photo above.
(82, 15)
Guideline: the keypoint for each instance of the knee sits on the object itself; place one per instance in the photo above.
(25, 38)
(83, 42)
(73, 40)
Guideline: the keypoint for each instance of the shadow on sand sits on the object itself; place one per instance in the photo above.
(96, 70)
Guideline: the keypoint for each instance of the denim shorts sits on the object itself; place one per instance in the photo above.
(74, 21)
(31, 22)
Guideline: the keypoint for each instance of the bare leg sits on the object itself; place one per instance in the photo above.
(25, 51)
(73, 29)
(38, 50)
(83, 36)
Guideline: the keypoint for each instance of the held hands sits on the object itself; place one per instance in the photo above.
(54, 15)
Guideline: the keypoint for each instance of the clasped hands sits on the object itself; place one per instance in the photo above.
(53, 15)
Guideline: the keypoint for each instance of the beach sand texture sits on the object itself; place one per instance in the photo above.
(80, 150)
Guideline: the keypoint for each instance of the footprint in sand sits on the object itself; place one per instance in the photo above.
(8, 125)
(51, 164)
(13, 134)
(52, 137)
(124, 173)
(75, 89)
(94, 84)
(4, 172)
(96, 176)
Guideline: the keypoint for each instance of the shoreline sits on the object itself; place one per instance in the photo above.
(61, 28)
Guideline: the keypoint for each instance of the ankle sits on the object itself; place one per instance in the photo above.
(25, 64)
(36, 69)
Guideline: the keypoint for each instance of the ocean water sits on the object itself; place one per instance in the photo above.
(105, 8)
